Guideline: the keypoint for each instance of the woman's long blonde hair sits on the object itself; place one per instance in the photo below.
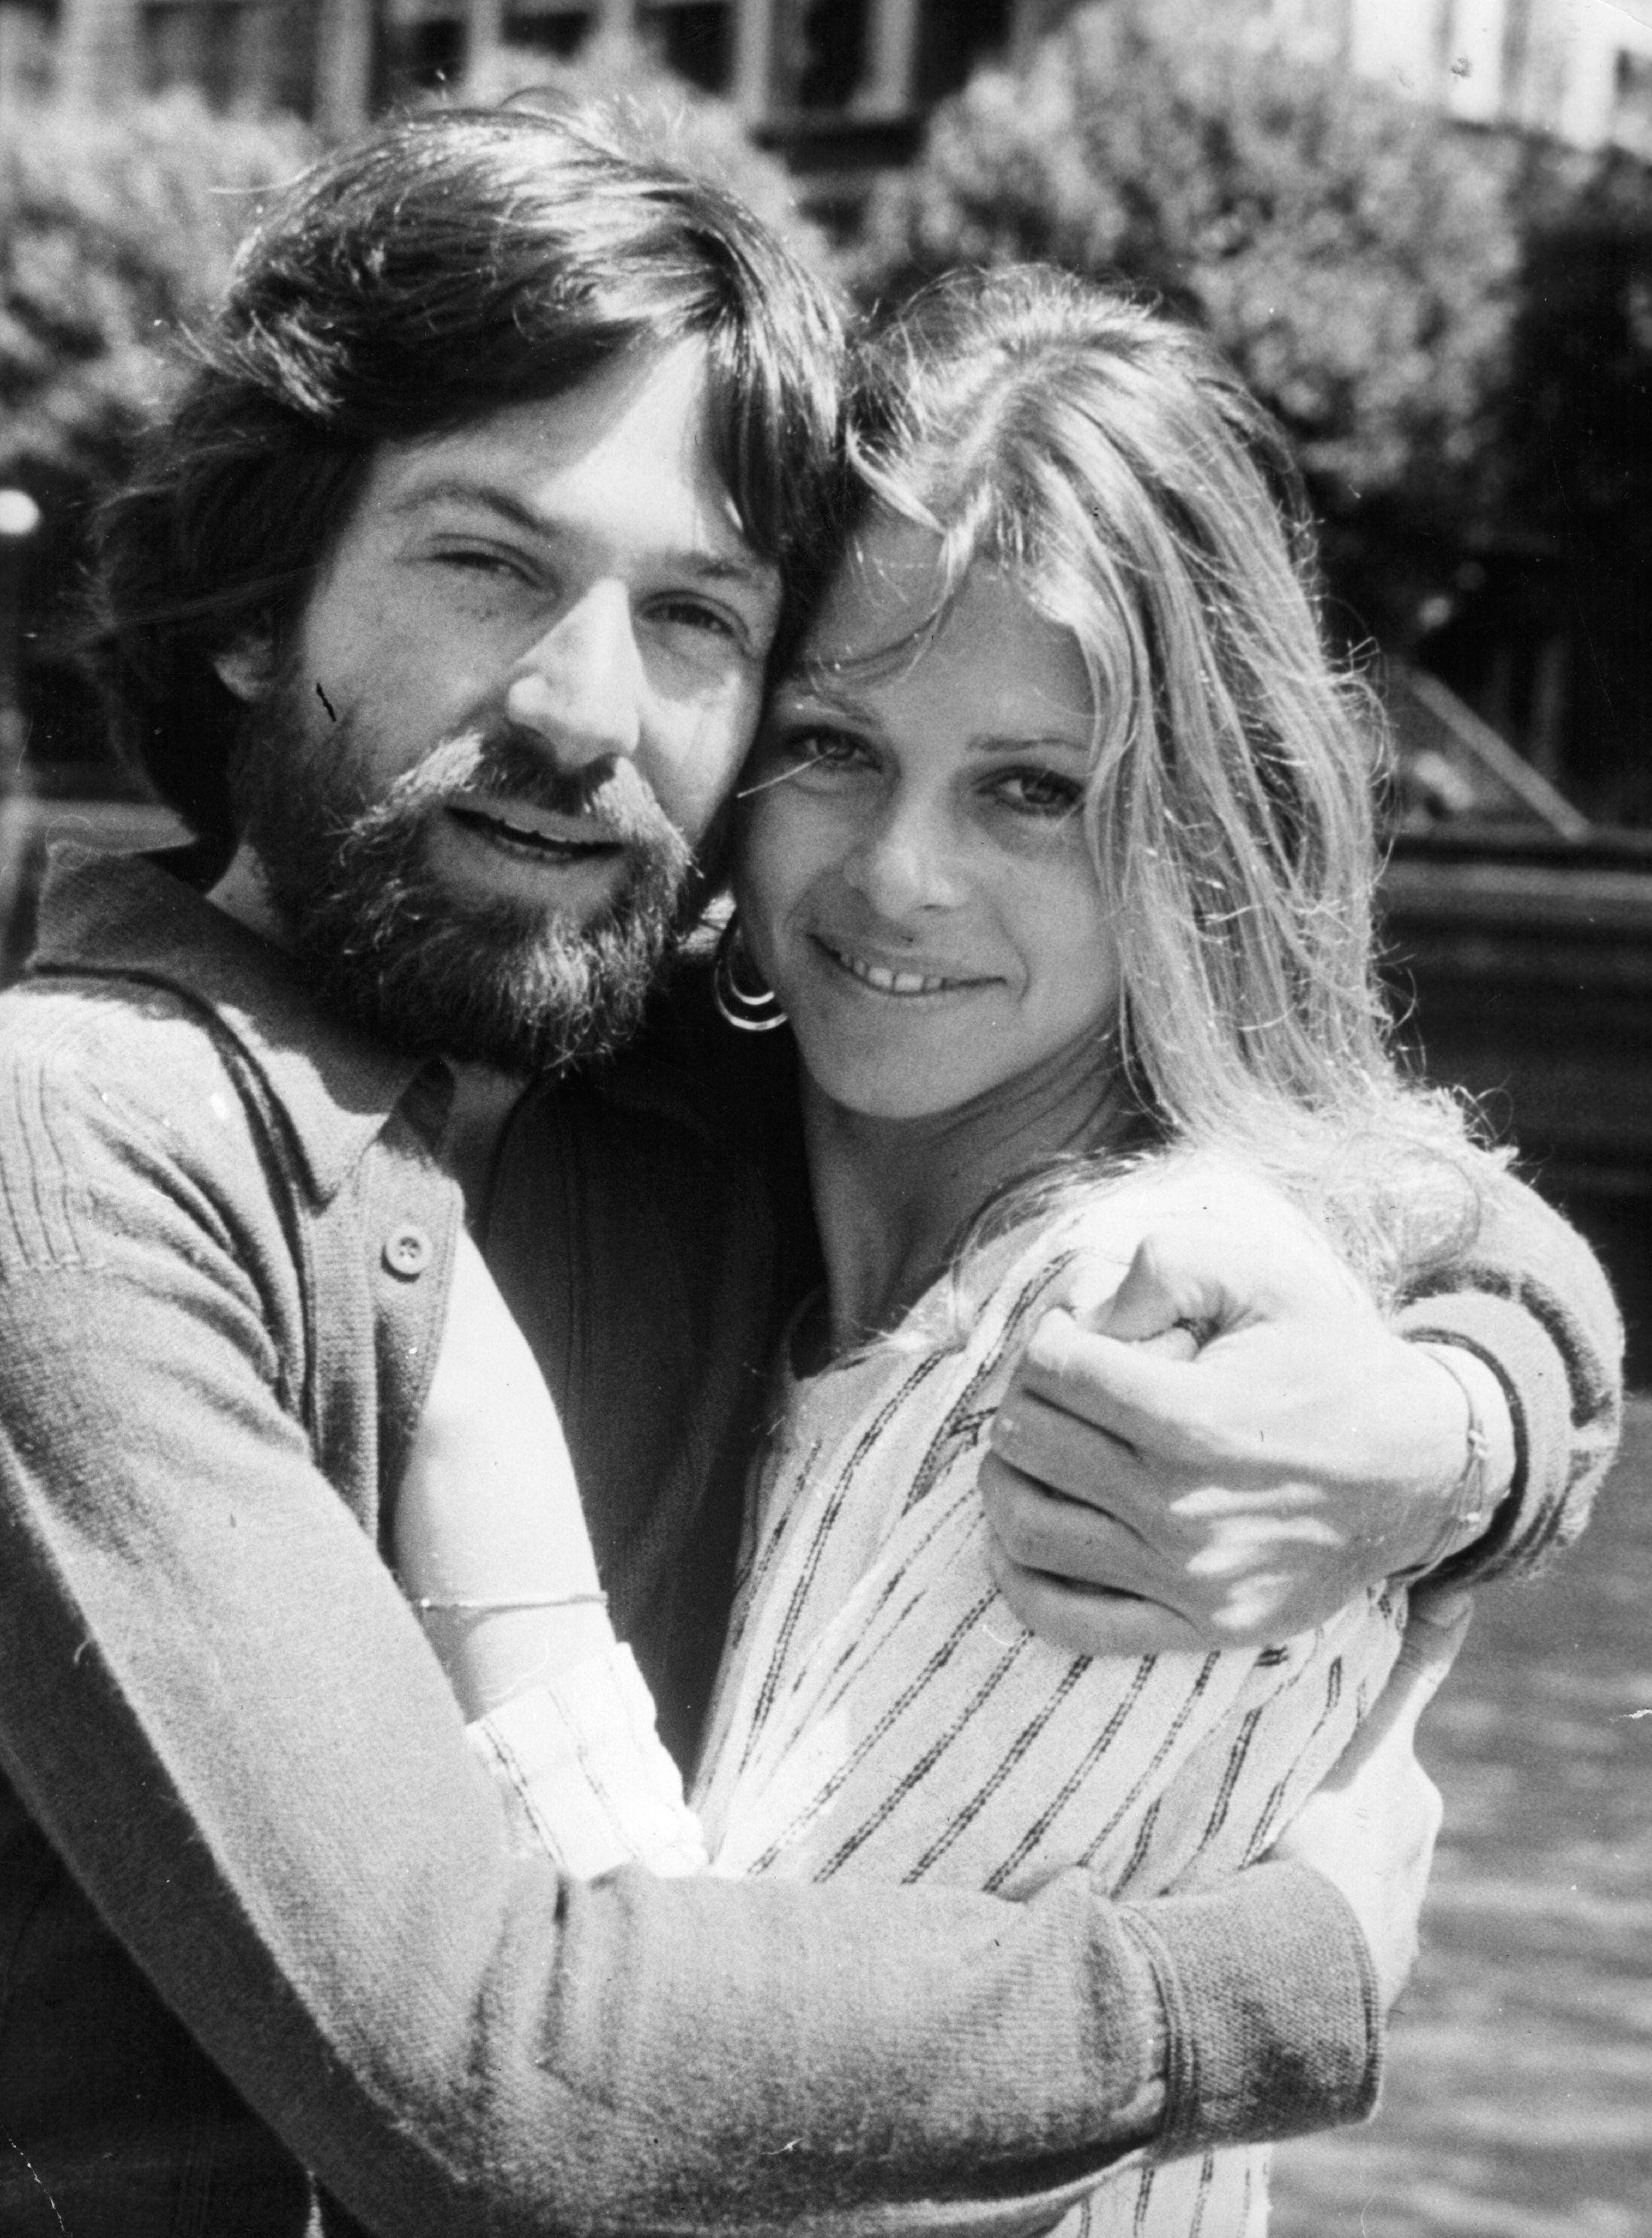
(1104, 458)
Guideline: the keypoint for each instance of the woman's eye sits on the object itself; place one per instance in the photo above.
(823, 754)
(1038, 792)
(810, 745)
(823, 748)
(807, 756)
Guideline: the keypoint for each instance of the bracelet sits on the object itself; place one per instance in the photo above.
(425, 1603)
(1470, 1505)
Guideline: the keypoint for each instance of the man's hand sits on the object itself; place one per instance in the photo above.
(1370, 1829)
(1221, 1454)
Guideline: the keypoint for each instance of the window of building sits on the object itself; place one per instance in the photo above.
(887, 58)
(1632, 103)
(820, 52)
(25, 53)
(430, 52)
(230, 51)
(693, 37)
(955, 35)
(559, 31)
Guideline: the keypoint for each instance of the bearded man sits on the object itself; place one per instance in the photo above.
(441, 605)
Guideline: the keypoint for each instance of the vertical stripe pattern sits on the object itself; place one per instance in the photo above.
(883, 1711)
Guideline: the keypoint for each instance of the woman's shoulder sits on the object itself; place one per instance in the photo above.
(1175, 1184)
(1102, 1219)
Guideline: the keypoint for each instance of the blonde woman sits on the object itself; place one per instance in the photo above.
(1056, 854)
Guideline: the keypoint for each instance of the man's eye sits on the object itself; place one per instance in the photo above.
(477, 560)
(1038, 792)
(695, 614)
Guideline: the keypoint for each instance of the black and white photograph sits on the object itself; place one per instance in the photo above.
(825, 1118)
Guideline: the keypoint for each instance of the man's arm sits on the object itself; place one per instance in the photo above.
(1531, 1302)
(1149, 1498)
(218, 1710)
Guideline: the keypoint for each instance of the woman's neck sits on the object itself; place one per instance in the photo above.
(892, 1197)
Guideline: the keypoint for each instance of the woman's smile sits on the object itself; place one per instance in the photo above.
(913, 877)
(904, 980)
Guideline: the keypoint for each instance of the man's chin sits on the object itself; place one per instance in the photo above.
(506, 986)
(445, 941)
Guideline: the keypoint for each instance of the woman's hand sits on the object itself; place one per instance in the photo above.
(488, 1510)
(1370, 1829)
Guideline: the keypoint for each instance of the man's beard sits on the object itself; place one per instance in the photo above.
(494, 980)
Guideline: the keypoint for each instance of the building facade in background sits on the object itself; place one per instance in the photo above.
(1579, 69)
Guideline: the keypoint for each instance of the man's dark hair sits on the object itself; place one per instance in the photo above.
(452, 264)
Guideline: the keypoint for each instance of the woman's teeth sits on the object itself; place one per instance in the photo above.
(888, 981)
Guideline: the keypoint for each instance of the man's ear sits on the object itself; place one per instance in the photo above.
(248, 666)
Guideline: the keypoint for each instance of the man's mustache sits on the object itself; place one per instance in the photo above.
(506, 764)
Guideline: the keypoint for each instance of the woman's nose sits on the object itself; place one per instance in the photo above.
(907, 861)
(579, 690)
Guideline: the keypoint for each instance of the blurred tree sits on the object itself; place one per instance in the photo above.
(1573, 545)
(626, 75)
(116, 227)
(1351, 252)
(1576, 422)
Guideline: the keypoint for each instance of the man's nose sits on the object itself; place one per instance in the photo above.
(907, 860)
(579, 688)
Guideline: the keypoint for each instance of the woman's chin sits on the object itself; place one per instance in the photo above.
(894, 1086)
(966, 1073)
(876, 1091)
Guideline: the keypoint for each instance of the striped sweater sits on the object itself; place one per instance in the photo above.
(882, 1714)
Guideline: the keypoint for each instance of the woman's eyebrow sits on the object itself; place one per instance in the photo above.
(1027, 742)
(825, 695)
(820, 685)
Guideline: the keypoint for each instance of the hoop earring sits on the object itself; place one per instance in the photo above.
(750, 1007)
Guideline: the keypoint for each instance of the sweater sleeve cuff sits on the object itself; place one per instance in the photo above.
(586, 1775)
(1527, 1363)
(1273, 2024)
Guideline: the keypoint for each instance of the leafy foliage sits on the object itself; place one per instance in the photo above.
(623, 74)
(1352, 251)
(114, 229)
(1578, 418)
(1576, 437)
